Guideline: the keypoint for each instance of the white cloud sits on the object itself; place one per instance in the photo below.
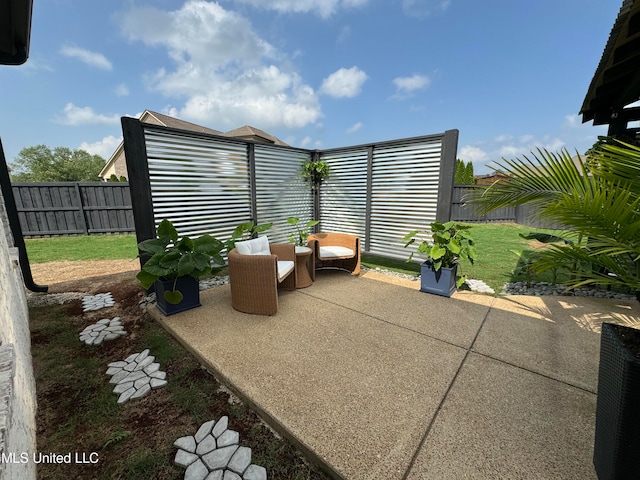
(225, 72)
(355, 127)
(323, 8)
(407, 86)
(75, 116)
(104, 147)
(346, 82)
(424, 8)
(472, 154)
(122, 90)
(92, 59)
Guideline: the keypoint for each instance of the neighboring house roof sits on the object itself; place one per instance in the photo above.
(251, 133)
(247, 133)
(616, 82)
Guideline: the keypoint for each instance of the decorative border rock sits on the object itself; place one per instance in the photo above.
(136, 376)
(104, 329)
(214, 453)
(96, 302)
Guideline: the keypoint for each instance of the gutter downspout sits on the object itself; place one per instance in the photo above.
(14, 224)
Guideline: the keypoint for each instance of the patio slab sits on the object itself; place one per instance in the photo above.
(380, 381)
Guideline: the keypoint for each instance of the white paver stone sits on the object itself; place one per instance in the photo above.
(240, 460)
(206, 445)
(117, 364)
(142, 355)
(184, 459)
(204, 430)
(131, 367)
(149, 369)
(229, 475)
(196, 471)
(147, 361)
(104, 321)
(118, 377)
(219, 458)
(98, 340)
(215, 475)
(113, 336)
(131, 357)
(122, 387)
(229, 437)
(157, 383)
(126, 395)
(221, 426)
(143, 391)
(187, 443)
(255, 472)
(113, 370)
(98, 327)
(159, 375)
(133, 376)
(141, 382)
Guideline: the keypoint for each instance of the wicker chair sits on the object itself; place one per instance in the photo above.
(254, 277)
(335, 250)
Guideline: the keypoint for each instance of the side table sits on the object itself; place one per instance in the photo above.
(303, 274)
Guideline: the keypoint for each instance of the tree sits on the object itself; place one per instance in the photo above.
(41, 164)
(464, 173)
(597, 202)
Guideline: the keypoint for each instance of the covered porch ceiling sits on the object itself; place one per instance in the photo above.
(15, 31)
(616, 82)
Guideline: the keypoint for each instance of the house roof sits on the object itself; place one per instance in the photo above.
(15, 31)
(616, 82)
(249, 133)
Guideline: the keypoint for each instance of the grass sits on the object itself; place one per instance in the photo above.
(83, 247)
(78, 411)
(495, 265)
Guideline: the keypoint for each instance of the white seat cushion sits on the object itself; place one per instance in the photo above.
(284, 267)
(256, 246)
(331, 251)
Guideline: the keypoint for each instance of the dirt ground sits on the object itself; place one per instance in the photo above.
(83, 276)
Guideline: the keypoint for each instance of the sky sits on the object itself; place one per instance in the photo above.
(511, 76)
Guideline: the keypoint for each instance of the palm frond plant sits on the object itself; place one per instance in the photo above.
(597, 201)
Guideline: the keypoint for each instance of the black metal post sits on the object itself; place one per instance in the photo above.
(447, 175)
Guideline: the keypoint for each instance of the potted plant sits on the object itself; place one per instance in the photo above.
(246, 231)
(450, 242)
(300, 234)
(175, 265)
(314, 172)
(616, 445)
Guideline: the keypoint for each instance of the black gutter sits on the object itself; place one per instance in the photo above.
(14, 224)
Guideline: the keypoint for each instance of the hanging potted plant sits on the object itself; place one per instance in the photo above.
(175, 265)
(314, 172)
(450, 242)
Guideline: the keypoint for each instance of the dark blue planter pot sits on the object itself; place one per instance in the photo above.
(442, 282)
(190, 289)
(617, 436)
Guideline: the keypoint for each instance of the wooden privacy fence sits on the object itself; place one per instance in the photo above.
(522, 214)
(73, 208)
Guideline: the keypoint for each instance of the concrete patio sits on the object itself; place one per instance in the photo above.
(373, 379)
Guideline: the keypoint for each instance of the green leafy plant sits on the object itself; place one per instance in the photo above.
(299, 236)
(171, 258)
(315, 172)
(450, 242)
(246, 231)
(597, 200)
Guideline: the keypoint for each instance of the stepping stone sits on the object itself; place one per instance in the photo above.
(216, 449)
(132, 380)
(102, 330)
(96, 302)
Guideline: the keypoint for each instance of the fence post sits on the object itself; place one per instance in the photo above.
(253, 195)
(135, 151)
(83, 216)
(367, 208)
(447, 175)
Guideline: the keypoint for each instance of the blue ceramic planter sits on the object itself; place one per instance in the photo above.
(190, 289)
(442, 282)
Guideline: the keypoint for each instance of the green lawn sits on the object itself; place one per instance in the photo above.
(495, 264)
(92, 247)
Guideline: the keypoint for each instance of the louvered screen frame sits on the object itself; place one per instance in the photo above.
(201, 184)
(343, 195)
(404, 194)
(281, 192)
